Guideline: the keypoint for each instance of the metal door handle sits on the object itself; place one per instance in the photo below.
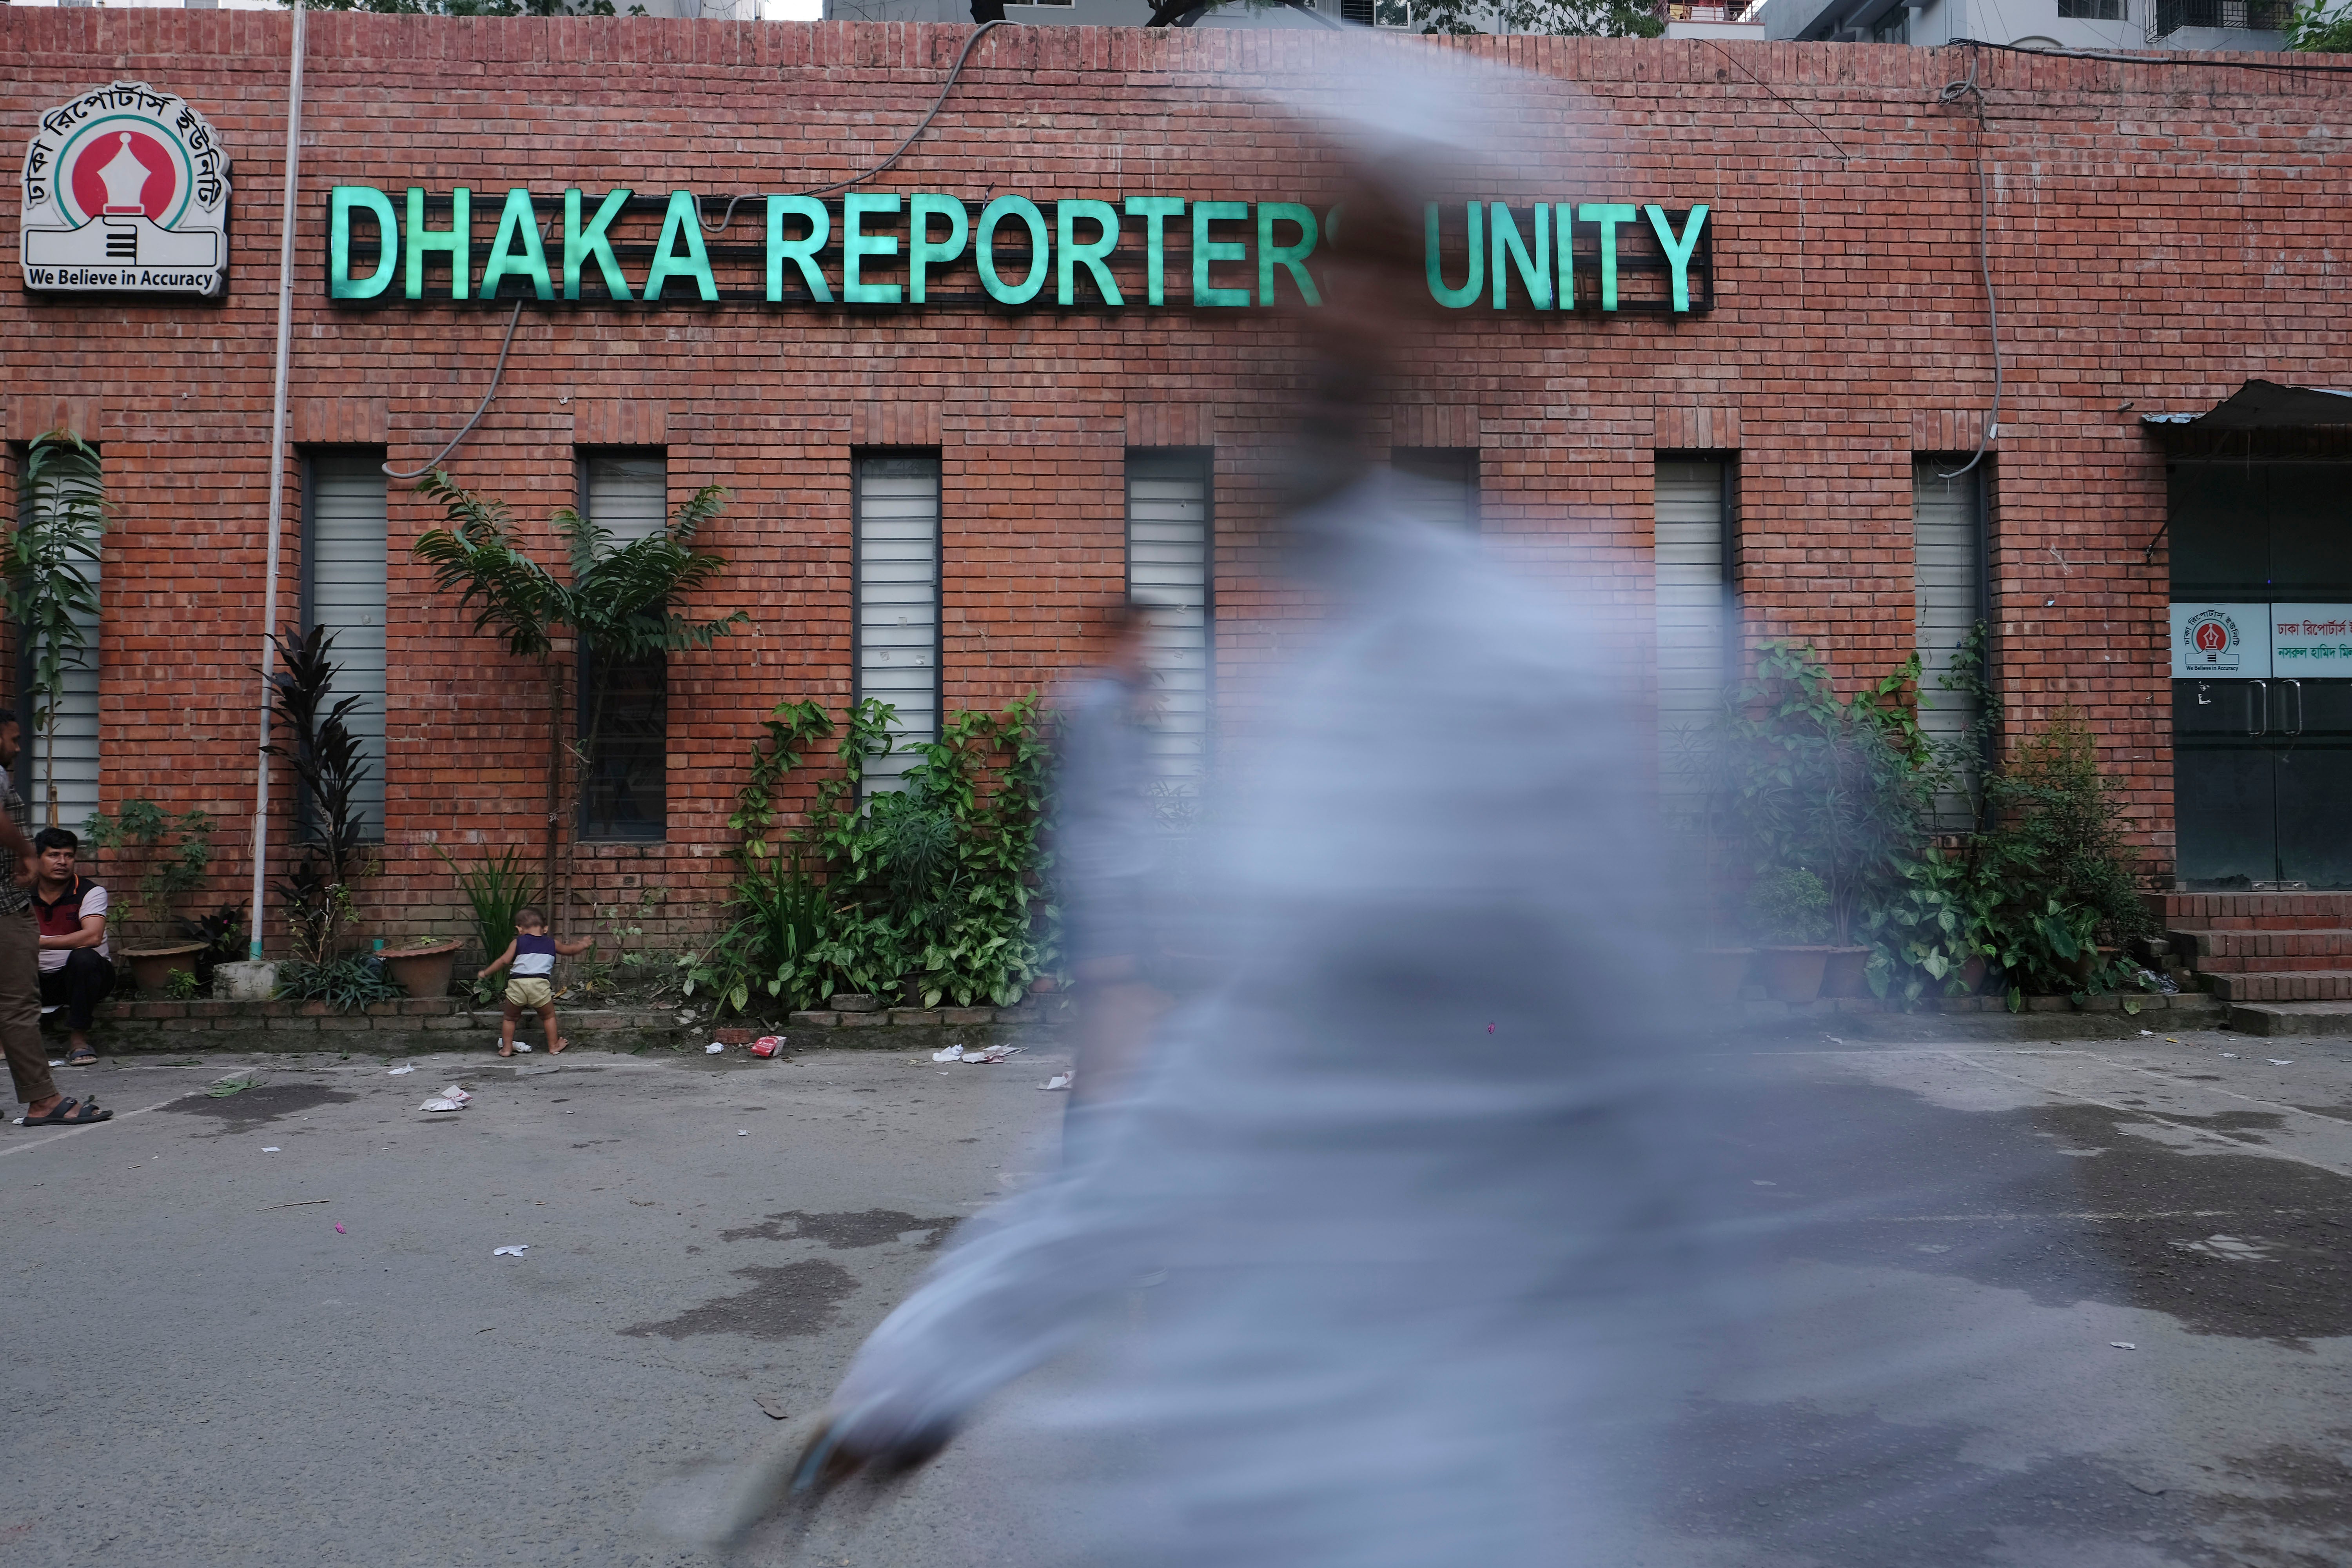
(2298, 728)
(2258, 708)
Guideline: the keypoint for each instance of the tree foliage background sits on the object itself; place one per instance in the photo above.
(1562, 18)
(472, 7)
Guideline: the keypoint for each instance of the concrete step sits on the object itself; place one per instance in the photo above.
(2250, 911)
(2292, 1017)
(2263, 952)
(2301, 985)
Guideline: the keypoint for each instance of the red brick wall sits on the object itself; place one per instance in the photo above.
(2159, 232)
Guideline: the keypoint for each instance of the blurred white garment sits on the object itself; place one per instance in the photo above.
(1406, 1181)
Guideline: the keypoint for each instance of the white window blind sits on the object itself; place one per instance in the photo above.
(898, 599)
(344, 590)
(1694, 579)
(629, 495)
(1948, 572)
(1168, 556)
(69, 755)
(1439, 484)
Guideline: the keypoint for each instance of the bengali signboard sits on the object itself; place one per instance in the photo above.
(2262, 642)
(125, 192)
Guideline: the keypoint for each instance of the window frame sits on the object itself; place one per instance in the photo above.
(858, 455)
(305, 811)
(584, 671)
(1206, 457)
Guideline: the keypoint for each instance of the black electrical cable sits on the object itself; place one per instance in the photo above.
(920, 126)
(506, 344)
(1953, 93)
(1793, 109)
(2160, 57)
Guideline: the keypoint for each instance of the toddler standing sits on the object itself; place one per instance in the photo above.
(530, 982)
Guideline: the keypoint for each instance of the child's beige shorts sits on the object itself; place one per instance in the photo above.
(532, 991)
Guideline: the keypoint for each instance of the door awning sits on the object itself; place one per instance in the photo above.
(2264, 405)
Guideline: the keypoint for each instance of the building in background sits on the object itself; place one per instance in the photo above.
(2237, 25)
(930, 495)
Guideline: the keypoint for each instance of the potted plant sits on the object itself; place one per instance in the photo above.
(1827, 798)
(1789, 911)
(173, 856)
(151, 968)
(423, 968)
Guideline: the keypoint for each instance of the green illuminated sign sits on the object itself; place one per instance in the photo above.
(884, 249)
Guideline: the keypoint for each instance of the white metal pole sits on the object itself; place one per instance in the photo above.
(277, 466)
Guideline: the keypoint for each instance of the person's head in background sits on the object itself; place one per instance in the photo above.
(57, 848)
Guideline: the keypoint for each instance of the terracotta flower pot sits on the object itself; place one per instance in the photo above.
(1972, 974)
(152, 967)
(1844, 972)
(1721, 973)
(1793, 973)
(422, 971)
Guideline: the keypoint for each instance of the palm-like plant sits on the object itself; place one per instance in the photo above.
(620, 605)
(51, 598)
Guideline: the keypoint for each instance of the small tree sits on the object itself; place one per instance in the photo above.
(619, 603)
(60, 516)
(327, 758)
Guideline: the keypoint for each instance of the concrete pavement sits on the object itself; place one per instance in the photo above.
(203, 1370)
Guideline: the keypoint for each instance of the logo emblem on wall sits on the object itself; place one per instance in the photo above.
(126, 191)
(2210, 640)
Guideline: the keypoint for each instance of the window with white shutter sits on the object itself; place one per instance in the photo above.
(897, 622)
(1949, 579)
(344, 590)
(1692, 504)
(1439, 483)
(1169, 552)
(623, 722)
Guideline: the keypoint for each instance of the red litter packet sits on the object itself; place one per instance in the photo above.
(767, 1045)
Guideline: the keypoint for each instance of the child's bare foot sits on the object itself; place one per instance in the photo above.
(555, 1048)
(506, 1050)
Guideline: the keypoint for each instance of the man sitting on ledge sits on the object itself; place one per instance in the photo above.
(76, 963)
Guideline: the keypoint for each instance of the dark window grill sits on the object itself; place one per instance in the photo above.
(2166, 16)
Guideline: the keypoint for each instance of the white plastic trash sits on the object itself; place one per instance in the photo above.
(510, 1251)
(952, 1053)
(713, 1049)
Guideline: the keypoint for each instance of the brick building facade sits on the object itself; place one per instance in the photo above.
(2158, 234)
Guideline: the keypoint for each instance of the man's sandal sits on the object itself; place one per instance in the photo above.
(70, 1113)
(82, 1056)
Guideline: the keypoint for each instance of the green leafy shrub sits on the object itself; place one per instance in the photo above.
(346, 984)
(175, 854)
(1789, 905)
(1798, 777)
(496, 890)
(2057, 873)
(929, 893)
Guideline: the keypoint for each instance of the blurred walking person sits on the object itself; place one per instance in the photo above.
(1107, 856)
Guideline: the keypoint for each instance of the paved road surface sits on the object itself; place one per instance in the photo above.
(204, 1372)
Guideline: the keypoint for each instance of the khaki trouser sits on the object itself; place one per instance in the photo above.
(20, 1009)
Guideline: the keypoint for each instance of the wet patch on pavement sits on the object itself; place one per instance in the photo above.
(1873, 1175)
(1795, 1485)
(2286, 1506)
(869, 1227)
(784, 1302)
(252, 1108)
